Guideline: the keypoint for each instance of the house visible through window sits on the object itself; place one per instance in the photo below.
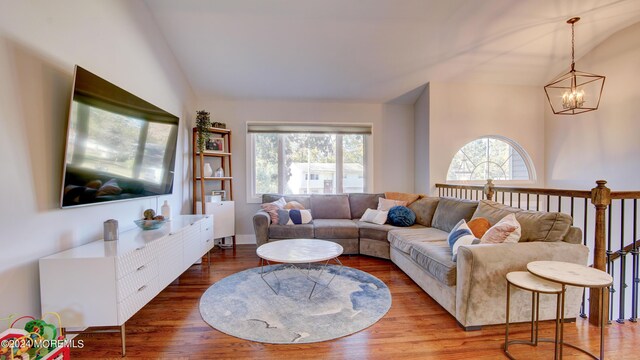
(308, 159)
(491, 158)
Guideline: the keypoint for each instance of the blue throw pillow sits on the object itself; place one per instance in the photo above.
(460, 235)
(401, 216)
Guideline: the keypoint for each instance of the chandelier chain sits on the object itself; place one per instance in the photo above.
(573, 45)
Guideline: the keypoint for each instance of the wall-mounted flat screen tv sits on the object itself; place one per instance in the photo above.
(119, 147)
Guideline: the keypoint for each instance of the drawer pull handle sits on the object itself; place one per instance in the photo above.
(208, 240)
(142, 288)
(141, 267)
(140, 248)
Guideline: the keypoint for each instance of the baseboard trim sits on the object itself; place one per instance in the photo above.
(246, 239)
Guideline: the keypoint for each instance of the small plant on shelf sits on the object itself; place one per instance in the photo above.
(203, 123)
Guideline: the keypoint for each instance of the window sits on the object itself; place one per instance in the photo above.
(308, 159)
(491, 157)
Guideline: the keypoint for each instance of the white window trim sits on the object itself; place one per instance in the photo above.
(253, 198)
(523, 153)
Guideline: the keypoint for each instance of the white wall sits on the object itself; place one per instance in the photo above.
(392, 141)
(40, 42)
(462, 112)
(602, 144)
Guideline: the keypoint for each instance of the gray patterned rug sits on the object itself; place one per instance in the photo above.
(242, 305)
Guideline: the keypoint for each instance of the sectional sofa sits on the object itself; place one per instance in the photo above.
(472, 289)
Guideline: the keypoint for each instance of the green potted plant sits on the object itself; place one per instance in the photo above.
(203, 123)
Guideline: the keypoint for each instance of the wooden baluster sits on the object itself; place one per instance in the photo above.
(623, 267)
(601, 199)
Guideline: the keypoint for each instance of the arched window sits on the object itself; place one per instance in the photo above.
(491, 157)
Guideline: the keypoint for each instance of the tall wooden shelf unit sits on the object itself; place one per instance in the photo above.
(216, 159)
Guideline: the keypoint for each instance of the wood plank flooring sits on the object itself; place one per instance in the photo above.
(416, 327)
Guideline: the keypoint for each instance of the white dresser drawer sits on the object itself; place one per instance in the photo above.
(130, 283)
(137, 300)
(128, 263)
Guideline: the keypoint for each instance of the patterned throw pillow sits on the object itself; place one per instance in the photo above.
(460, 235)
(401, 216)
(294, 217)
(507, 230)
(386, 204)
(273, 207)
(375, 216)
(479, 226)
(294, 205)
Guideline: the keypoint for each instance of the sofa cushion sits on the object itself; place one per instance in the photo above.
(304, 231)
(536, 225)
(359, 203)
(302, 199)
(435, 258)
(403, 239)
(450, 211)
(335, 229)
(424, 209)
(377, 232)
(330, 206)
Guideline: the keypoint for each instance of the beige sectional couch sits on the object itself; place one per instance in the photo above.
(473, 289)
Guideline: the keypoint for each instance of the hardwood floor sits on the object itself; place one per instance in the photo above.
(416, 327)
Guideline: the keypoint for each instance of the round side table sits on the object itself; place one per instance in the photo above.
(565, 273)
(526, 281)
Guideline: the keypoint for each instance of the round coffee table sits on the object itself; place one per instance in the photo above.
(299, 251)
(565, 273)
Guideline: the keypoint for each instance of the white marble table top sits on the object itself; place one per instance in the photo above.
(570, 274)
(528, 281)
(298, 251)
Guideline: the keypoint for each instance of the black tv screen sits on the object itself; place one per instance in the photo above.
(119, 147)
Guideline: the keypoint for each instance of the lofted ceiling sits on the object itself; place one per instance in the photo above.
(377, 50)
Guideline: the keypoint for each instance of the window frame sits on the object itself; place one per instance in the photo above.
(253, 197)
(514, 145)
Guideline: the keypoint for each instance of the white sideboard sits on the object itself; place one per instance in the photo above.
(104, 283)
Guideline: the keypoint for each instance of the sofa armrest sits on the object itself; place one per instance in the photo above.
(481, 279)
(261, 222)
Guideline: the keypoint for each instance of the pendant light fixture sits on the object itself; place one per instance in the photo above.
(575, 92)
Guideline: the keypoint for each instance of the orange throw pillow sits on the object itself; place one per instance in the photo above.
(479, 226)
(409, 198)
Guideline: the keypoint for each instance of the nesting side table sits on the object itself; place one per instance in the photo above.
(526, 281)
(572, 274)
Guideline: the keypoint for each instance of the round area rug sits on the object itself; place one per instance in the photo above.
(244, 306)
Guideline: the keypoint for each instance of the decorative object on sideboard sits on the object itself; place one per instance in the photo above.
(219, 172)
(207, 170)
(151, 221)
(203, 123)
(165, 210)
(110, 230)
(222, 194)
(219, 125)
(575, 92)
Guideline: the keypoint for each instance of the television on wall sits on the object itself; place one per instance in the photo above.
(118, 147)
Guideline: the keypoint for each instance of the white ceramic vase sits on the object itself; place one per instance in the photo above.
(207, 171)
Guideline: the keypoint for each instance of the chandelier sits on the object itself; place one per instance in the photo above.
(575, 92)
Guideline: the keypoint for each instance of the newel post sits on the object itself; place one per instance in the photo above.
(488, 189)
(601, 199)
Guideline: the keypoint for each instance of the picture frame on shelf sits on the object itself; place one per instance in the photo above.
(221, 193)
(214, 145)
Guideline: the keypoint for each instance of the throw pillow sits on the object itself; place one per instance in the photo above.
(479, 226)
(401, 216)
(386, 204)
(460, 235)
(375, 216)
(109, 188)
(294, 205)
(408, 198)
(273, 207)
(506, 230)
(294, 217)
